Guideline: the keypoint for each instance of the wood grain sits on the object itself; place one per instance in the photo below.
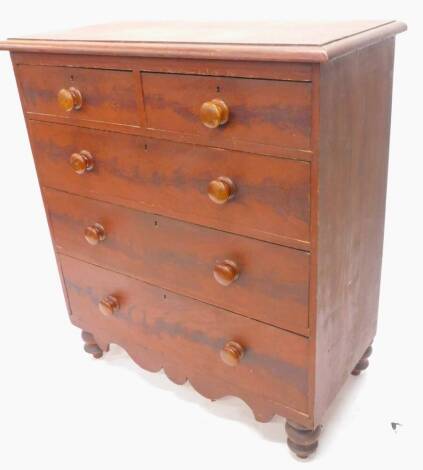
(271, 202)
(270, 41)
(263, 111)
(108, 96)
(306, 33)
(133, 67)
(355, 108)
(210, 297)
(191, 335)
(299, 72)
(273, 280)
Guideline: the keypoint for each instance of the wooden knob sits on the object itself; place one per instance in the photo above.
(69, 99)
(214, 113)
(81, 162)
(109, 305)
(226, 272)
(221, 190)
(232, 353)
(94, 234)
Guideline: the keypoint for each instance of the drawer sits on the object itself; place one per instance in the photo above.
(270, 195)
(188, 335)
(273, 280)
(260, 111)
(107, 95)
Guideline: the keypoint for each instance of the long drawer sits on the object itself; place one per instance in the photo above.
(188, 336)
(257, 279)
(270, 198)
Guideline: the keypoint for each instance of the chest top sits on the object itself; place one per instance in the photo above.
(287, 41)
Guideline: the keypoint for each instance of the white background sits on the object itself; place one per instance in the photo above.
(60, 409)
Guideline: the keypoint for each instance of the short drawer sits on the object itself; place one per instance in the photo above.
(260, 111)
(257, 279)
(105, 95)
(269, 198)
(159, 329)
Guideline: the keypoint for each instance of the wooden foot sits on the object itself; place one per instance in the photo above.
(91, 347)
(363, 363)
(302, 441)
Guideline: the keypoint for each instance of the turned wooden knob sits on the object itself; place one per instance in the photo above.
(232, 353)
(214, 113)
(221, 190)
(69, 99)
(81, 162)
(109, 305)
(94, 234)
(226, 272)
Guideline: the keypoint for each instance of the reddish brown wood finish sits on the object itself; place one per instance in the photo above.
(271, 203)
(355, 108)
(273, 286)
(187, 337)
(140, 118)
(263, 111)
(301, 72)
(107, 96)
(289, 72)
(306, 33)
(268, 42)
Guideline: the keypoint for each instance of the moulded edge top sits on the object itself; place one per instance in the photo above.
(281, 42)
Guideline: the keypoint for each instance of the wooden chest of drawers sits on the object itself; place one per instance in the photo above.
(216, 205)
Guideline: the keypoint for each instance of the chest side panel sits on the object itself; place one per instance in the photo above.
(355, 108)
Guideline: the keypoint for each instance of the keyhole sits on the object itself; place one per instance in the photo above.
(218, 89)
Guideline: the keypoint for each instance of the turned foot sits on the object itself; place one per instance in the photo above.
(363, 363)
(302, 441)
(91, 347)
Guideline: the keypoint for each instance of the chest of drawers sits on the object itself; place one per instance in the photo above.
(215, 195)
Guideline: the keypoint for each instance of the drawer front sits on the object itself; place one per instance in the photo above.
(273, 280)
(107, 95)
(271, 195)
(189, 335)
(260, 111)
